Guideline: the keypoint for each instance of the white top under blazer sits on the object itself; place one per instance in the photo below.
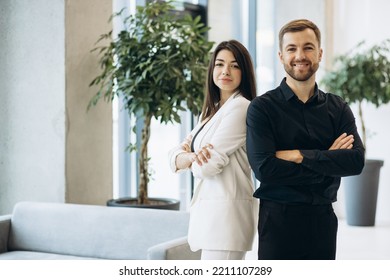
(223, 211)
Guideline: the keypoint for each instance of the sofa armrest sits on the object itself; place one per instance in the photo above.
(5, 224)
(177, 249)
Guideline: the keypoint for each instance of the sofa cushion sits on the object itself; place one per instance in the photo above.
(5, 224)
(93, 231)
(28, 255)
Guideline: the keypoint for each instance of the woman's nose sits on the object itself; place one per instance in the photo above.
(225, 71)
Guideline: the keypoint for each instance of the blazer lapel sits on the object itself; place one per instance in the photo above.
(210, 125)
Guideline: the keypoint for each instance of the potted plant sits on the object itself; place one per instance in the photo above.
(362, 75)
(157, 66)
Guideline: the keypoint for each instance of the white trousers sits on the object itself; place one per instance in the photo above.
(222, 255)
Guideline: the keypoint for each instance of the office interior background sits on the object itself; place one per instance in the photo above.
(53, 149)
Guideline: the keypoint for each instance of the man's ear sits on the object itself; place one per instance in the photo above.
(320, 55)
(280, 56)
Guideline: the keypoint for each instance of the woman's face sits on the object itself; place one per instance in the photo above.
(227, 73)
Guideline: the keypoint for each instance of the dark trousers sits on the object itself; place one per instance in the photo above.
(296, 232)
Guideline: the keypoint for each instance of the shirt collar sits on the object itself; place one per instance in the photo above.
(288, 93)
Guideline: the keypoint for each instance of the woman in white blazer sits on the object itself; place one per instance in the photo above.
(223, 211)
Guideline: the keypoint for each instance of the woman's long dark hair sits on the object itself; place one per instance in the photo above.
(247, 86)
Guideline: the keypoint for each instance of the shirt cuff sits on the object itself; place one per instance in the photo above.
(172, 164)
(309, 157)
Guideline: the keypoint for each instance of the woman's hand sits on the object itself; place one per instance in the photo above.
(203, 154)
(184, 160)
(186, 144)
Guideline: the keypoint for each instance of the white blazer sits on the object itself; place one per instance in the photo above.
(223, 211)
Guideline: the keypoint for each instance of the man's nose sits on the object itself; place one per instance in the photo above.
(300, 54)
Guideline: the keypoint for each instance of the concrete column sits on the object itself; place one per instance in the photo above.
(89, 172)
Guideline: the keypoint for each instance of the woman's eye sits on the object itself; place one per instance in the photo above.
(235, 66)
(218, 64)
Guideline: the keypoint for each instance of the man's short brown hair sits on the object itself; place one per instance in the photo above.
(296, 26)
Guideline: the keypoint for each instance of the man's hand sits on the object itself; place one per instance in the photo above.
(344, 141)
(290, 155)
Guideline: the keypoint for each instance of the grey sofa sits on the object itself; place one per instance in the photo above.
(42, 231)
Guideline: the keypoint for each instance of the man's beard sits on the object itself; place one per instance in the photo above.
(301, 77)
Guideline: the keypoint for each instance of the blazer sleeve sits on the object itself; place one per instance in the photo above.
(227, 138)
(175, 151)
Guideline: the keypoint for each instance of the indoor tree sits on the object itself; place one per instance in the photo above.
(157, 66)
(362, 75)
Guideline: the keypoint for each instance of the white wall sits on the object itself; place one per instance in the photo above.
(32, 107)
(368, 20)
(51, 149)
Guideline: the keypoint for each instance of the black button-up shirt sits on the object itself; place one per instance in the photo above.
(278, 120)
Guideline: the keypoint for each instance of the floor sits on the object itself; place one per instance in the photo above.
(357, 243)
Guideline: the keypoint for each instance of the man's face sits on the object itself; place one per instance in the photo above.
(300, 54)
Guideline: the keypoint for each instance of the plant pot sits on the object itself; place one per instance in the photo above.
(361, 194)
(155, 203)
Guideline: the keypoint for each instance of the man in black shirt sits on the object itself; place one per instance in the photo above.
(300, 142)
